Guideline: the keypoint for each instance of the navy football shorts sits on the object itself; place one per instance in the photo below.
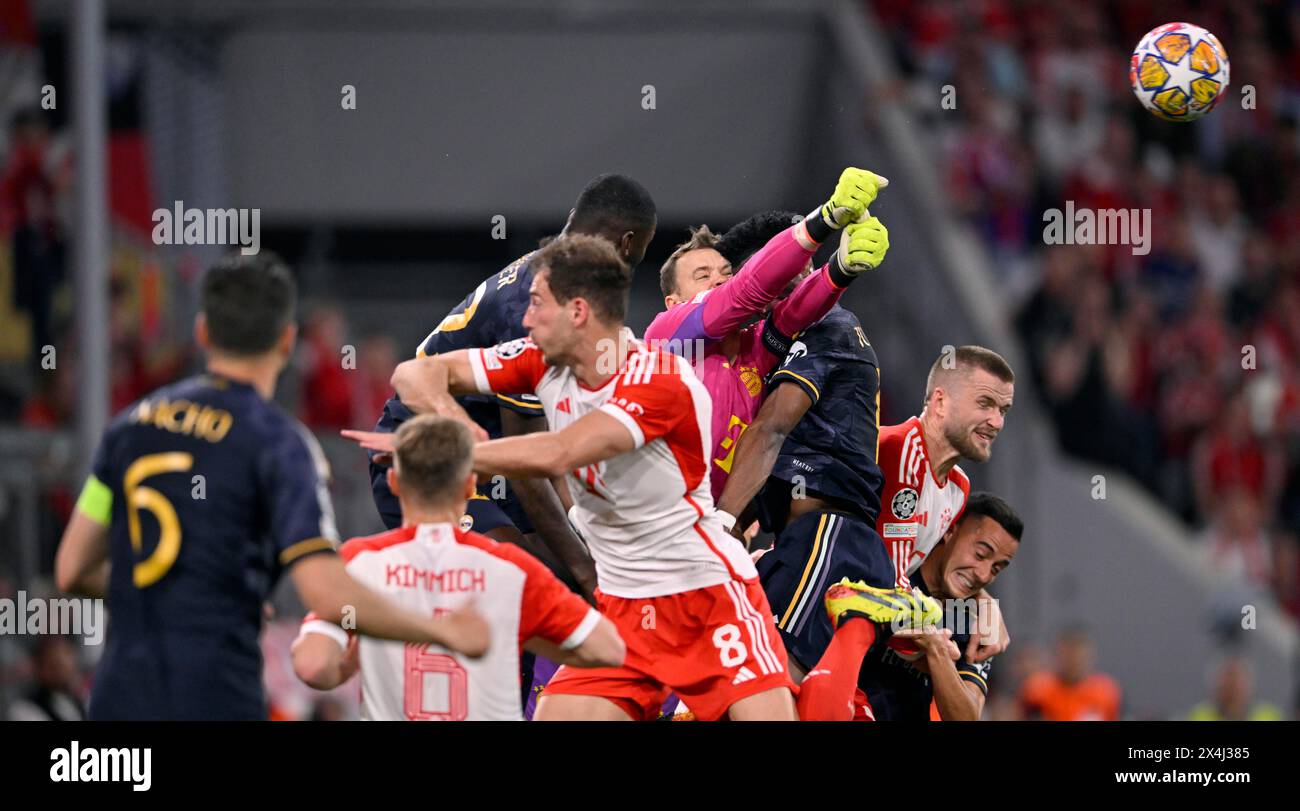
(810, 555)
(482, 514)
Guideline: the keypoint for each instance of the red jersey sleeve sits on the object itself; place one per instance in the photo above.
(651, 396)
(514, 367)
(549, 610)
(898, 523)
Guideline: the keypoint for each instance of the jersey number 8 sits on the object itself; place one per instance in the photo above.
(731, 650)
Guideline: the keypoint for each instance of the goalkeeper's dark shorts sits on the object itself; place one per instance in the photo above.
(810, 555)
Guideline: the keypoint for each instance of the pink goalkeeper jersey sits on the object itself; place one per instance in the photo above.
(733, 373)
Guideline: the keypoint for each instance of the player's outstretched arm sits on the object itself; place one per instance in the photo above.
(863, 246)
(328, 590)
(759, 446)
(430, 384)
(602, 648)
(550, 454)
(759, 282)
(539, 500)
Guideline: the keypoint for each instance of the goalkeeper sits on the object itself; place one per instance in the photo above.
(708, 305)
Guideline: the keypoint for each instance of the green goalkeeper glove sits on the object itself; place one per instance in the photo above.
(856, 189)
(863, 246)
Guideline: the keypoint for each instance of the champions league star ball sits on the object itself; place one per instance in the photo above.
(1179, 71)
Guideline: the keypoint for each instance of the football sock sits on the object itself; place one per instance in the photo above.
(826, 693)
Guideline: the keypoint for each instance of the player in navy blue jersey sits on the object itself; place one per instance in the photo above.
(614, 207)
(808, 465)
(807, 469)
(974, 551)
(200, 496)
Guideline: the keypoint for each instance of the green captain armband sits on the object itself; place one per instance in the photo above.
(96, 501)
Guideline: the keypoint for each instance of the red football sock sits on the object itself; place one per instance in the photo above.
(826, 693)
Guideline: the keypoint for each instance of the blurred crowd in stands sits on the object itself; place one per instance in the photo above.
(1180, 366)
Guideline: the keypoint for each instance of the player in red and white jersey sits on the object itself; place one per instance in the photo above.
(432, 567)
(918, 504)
(630, 434)
(967, 397)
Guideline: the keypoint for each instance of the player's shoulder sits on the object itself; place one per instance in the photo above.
(664, 325)
(207, 406)
(280, 434)
(515, 349)
(839, 332)
(492, 312)
(959, 477)
(653, 365)
(505, 552)
(895, 436)
(376, 543)
(836, 320)
(513, 280)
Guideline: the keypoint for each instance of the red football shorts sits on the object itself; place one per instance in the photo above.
(711, 646)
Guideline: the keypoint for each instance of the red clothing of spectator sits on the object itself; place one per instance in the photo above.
(1230, 464)
(326, 401)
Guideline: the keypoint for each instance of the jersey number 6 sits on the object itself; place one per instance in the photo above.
(451, 703)
(151, 569)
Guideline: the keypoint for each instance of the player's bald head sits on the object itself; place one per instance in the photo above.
(954, 366)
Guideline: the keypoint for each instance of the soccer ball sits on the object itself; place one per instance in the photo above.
(1179, 71)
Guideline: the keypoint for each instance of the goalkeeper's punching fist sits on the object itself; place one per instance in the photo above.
(856, 189)
(863, 246)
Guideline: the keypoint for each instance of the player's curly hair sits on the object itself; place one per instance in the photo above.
(611, 204)
(743, 239)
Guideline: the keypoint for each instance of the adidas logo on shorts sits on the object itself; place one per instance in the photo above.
(743, 676)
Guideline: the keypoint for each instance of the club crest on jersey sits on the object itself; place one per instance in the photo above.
(904, 503)
(797, 351)
(466, 522)
(512, 349)
(753, 383)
